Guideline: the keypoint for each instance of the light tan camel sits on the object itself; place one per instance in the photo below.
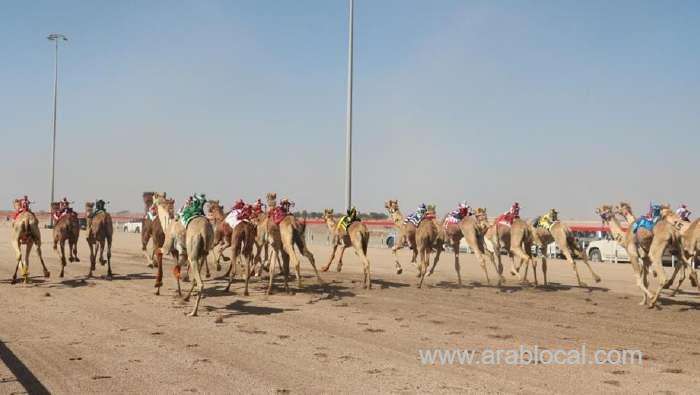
(356, 236)
(25, 230)
(242, 241)
(669, 233)
(64, 231)
(99, 230)
(222, 232)
(635, 245)
(517, 240)
(199, 240)
(691, 243)
(427, 238)
(560, 234)
(283, 237)
(406, 233)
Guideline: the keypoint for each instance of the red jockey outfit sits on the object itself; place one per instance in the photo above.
(508, 217)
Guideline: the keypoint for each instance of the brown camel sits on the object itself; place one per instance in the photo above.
(154, 229)
(406, 233)
(222, 231)
(64, 231)
(517, 240)
(561, 235)
(199, 240)
(99, 230)
(242, 241)
(283, 237)
(356, 236)
(427, 238)
(25, 230)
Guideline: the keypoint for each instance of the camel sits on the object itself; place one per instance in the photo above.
(25, 230)
(65, 230)
(691, 242)
(242, 241)
(635, 245)
(561, 235)
(406, 233)
(517, 240)
(199, 240)
(99, 230)
(472, 229)
(222, 231)
(356, 236)
(155, 229)
(670, 232)
(427, 238)
(283, 237)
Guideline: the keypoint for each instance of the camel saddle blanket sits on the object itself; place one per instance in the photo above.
(278, 214)
(186, 219)
(644, 222)
(235, 217)
(544, 223)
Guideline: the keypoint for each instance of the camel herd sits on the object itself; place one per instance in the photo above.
(261, 242)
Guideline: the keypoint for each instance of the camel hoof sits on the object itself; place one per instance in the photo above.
(158, 292)
(47, 273)
(186, 299)
(13, 281)
(150, 266)
(109, 277)
(61, 275)
(192, 314)
(76, 259)
(226, 259)
(103, 262)
(583, 285)
(218, 267)
(339, 268)
(208, 275)
(513, 273)
(325, 268)
(246, 293)
(597, 279)
(399, 271)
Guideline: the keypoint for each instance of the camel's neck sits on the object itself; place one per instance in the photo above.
(629, 217)
(218, 215)
(330, 223)
(397, 217)
(615, 228)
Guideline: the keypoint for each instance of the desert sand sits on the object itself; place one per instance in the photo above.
(73, 335)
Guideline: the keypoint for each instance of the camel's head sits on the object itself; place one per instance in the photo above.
(431, 209)
(605, 212)
(89, 207)
(214, 207)
(55, 206)
(670, 216)
(481, 217)
(328, 213)
(16, 204)
(624, 208)
(392, 206)
(169, 206)
(271, 199)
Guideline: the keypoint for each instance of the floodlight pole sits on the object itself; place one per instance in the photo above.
(348, 138)
(55, 38)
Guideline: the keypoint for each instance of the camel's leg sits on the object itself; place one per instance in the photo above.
(145, 237)
(159, 275)
(28, 250)
(232, 270)
(655, 255)
(247, 274)
(308, 255)
(330, 260)
(62, 246)
(523, 258)
(339, 267)
(93, 256)
(394, 250)
(569, 258)
(109, 257)
(206, 266)
(198, 263)
(584, 258)
(102, 252)
(47, 274)
(423, 268)
(272, 271)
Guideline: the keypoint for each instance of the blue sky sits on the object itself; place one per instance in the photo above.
(555, 104)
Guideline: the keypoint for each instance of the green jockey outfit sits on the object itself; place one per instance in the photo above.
(194, 208)
(348, 218)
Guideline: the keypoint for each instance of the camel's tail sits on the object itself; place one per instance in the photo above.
(302, 226)
(365, 242)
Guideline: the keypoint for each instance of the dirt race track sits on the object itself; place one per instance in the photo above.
(74, 336)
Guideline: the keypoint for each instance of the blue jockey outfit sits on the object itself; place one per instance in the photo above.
(416, 217)
(648, 221)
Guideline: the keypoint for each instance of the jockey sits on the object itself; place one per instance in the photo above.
(285, 205)
(22, 205)
(463, 210)
(194, 206)
(547, 220)
(99, 206)
(416, 217)
(258, 207)
(64, 206)
(239, 204)
(510, 215)
(349, 217)
(684, 213)
(654, 211)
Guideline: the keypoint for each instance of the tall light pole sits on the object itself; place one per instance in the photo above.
(55, 37)
(348, 138)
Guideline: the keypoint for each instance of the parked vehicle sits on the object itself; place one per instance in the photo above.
(132, 227)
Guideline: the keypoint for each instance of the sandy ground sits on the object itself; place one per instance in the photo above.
(74, 336)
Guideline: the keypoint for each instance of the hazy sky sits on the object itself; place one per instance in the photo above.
(563, 104)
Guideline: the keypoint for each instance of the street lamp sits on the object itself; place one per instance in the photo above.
(55, 37)
(348, 138)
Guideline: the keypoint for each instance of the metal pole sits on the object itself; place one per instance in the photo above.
(55, 37)
(53, 142)
(348, 139)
